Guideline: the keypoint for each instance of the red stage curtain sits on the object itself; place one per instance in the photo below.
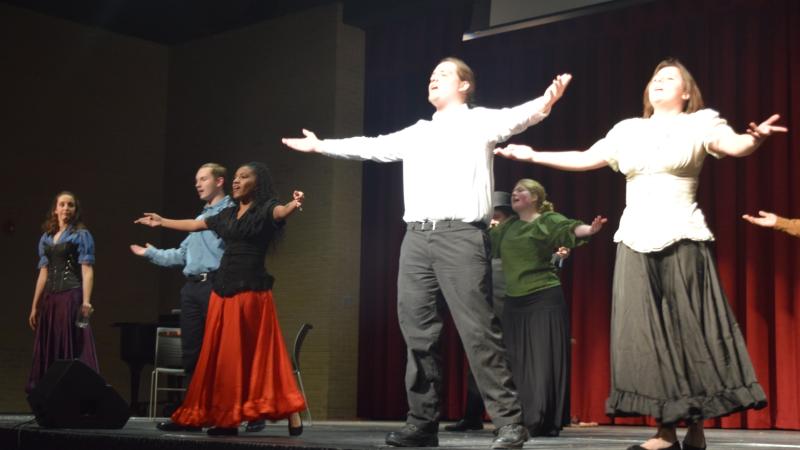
(745, 56)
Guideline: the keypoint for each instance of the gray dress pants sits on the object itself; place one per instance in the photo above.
(452, 258)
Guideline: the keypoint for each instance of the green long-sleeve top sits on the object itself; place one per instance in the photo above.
(526, 248)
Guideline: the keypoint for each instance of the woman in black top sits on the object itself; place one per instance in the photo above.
(244, 372)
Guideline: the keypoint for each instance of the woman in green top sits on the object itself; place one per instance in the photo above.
(535, 318)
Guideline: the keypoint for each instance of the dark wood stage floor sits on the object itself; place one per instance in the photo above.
(19, 432)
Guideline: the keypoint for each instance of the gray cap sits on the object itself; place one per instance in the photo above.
(501, 199)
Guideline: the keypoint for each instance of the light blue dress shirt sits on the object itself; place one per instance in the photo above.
(200, 252)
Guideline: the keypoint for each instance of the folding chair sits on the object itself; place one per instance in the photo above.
(168, 361)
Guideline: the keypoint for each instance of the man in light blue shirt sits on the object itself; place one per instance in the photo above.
(199, 255)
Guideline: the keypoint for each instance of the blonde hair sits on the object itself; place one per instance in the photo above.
(695, 101)
(217, 170)
(464, 73)
(536, 189)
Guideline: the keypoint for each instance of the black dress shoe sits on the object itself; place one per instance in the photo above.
(551, 433)
(222, 431)
(540, 432)
(691, 447)
(172, 426)
(675, 446)
(254, 426)
(464, 425)
(411, 436)
(512, 435)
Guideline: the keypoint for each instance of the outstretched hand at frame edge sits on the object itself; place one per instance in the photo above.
(308, 144)
(765, 219)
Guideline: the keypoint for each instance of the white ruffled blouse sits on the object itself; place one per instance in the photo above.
(661, 158)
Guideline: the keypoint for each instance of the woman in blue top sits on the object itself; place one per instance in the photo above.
(63, 290)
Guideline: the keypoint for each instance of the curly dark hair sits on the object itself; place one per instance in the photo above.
(264, 190)
(50, 225)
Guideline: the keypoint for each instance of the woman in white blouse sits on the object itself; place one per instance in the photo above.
(677, 353)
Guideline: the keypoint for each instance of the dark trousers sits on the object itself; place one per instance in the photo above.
(194, 307)
(452, 259)
(473, 412)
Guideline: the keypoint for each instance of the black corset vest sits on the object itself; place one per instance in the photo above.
(63, 270)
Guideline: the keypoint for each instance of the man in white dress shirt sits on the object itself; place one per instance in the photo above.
(448, 183)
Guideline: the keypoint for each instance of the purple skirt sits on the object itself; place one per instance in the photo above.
(57, 337)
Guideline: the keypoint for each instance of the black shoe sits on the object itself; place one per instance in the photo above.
(675, 446)
(172, 426)
(222, 431)
(254, 426)
(548, 433)
(411, 436)
(691, 447)
(295, 431)
(512, 435)
(552, 433)
(464, 425)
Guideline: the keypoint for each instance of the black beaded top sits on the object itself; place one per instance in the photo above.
(247, 239)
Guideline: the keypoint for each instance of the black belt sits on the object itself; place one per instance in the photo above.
(441, 225)
(200, 277)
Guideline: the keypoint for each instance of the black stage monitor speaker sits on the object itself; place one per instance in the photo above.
(71, 395)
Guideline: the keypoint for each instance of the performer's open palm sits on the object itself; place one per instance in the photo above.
(516, 152)
(597, 224)
(765, 219)
(557, 88)
(766, 128)
(309, 143)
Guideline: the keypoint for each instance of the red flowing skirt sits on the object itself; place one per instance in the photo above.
(244, 372)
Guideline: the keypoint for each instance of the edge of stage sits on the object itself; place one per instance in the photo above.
(22, 433)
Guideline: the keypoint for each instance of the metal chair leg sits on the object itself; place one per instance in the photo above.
(151, 409)
(303, 391)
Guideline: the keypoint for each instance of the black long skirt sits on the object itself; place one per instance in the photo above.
(536, 334)
(676, 350)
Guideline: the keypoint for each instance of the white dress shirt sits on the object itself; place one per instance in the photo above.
(661, 158)
(447, 161)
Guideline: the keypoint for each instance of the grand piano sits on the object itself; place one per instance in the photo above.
(138, 347)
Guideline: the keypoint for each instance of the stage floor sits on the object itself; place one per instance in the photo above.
(140, 433)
